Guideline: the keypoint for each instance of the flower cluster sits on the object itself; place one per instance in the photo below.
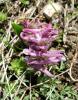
(39, 36)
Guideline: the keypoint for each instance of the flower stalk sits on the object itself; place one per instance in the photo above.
(39, 36)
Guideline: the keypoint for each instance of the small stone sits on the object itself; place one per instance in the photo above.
(51, 9)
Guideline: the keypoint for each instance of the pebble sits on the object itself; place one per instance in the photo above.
(50, 9)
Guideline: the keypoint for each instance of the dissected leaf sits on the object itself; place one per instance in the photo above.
(18, 65)
(3, 16)
(25, 2)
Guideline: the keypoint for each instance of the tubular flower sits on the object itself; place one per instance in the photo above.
(39, 36)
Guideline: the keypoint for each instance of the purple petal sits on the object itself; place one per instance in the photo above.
(34, 31)
(39, 48)
(26, 23)
(43, 62)
(53, 53)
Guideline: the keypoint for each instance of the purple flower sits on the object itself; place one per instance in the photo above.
(39, 36)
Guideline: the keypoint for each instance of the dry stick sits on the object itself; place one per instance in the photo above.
(21, 81)
(43, 83)
(23, 95)
(8, 31)
(30, 87)
(8, 83)
(36, 16)
(73, 61)
(13, 41)
(72, 5)
(65, 23)
(9, 54)
(3, 67)
(10, 51)
(29, 13)
(18, 87)
(5, 72)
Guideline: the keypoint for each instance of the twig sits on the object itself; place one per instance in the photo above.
(30, 87)
(23, 95)
(65, 24)
(21, 81)
(73, 61)
(18, 87)
(72, 5)
(4, 68)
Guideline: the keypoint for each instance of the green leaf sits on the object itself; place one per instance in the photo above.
(25, 2)
(17, 28)
(3, 16)
(16, 98)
